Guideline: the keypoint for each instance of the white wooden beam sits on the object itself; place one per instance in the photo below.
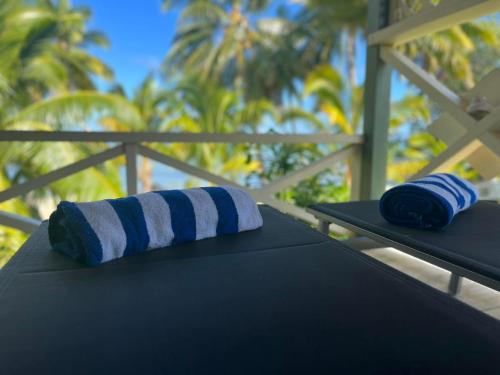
(446, 14)
(461, 148)
(308, 171)
(130, 150)
(65, 171)
(19, 222)
(138, 137)
(185, 167)
(438, 92)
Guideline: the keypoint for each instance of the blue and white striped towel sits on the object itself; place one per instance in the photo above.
(97, 232)
(430, 202)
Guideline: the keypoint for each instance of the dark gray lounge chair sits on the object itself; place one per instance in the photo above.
(283, 299)
(469, 246)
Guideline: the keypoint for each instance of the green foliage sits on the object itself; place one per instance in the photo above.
(44, 68)
(236, 70)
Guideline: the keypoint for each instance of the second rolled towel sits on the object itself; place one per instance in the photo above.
(430, 202)
(97, 232)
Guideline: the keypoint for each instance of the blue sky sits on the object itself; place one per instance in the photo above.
(140, 35)
(139, 32)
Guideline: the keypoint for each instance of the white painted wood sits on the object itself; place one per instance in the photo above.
(486, 162)
(138, 137)
(445, 98)
(130, 150)
(433, 19)
(316, 167)
(185, 167)
(462, 148)
(487, 87)
(446, 160)
(22, 223)
(447, 129)
(438, 92)
(60, 173)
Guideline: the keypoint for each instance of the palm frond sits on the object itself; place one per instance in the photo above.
(79, 110)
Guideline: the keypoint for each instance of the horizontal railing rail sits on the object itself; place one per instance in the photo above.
(133, 144)
(124, 137)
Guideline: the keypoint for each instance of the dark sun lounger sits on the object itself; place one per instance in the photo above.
(469, 246)
(283, 299)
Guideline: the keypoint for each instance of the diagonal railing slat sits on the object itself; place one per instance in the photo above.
(446, 14)
(438, 92)
(130, 144)
(185, 167)
(313, 168)
(25, 224)
(60, 173)
(462, 147)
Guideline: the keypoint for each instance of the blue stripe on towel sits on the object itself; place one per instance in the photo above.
(70, 233)
(129, 211)
(182, 215)
(228, 215)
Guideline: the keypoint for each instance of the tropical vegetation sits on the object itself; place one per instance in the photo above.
(234, 65)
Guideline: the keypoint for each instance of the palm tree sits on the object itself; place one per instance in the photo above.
(230, 41)
(42, 51)
(214, 38)
(208, 107)
(449, 54)
(43, 62)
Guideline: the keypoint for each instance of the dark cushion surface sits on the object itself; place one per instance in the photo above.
(306, 305)
(471, 241)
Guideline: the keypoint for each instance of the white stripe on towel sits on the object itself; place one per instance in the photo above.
(106, 224)
(467, 196)
(205, 213)
(248, 212)
(158, 220)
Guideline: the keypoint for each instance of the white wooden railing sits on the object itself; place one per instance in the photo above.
(476, 140)
(131, 145)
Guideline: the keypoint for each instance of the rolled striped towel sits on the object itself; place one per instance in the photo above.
(97, 232)
(430, 202)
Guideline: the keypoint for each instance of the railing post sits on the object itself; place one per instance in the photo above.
(376, 109)
(355, 169)
(130, 150)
